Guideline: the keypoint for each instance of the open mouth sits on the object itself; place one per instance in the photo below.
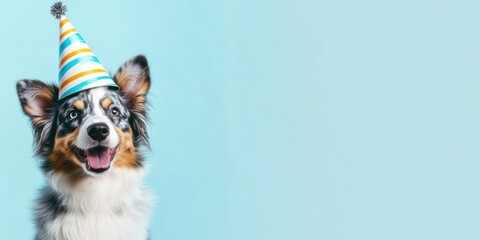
(97, 159)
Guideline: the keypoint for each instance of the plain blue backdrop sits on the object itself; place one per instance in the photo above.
(277, 119)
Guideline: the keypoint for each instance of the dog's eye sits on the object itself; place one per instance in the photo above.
(114, 111)
(72, 114)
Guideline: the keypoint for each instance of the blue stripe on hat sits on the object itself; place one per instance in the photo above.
(69, 40)
(74, 62)
(83, 84)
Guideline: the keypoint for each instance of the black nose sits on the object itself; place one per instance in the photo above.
(98, 131)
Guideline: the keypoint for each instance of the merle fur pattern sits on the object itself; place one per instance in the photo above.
(55, 123)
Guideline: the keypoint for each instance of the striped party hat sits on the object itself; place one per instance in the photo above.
(79, 68)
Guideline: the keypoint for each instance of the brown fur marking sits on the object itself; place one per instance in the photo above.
(62, 157)
(79, 105)
(125, 157)
(106, 103)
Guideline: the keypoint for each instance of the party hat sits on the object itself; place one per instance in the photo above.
(79, 68)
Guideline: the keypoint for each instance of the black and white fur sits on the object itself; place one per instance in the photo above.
(78, 202)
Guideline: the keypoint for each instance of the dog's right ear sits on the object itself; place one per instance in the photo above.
(37, 99)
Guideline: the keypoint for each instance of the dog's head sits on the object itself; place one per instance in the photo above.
(94, 130)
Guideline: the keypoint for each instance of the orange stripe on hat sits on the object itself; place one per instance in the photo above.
(68, 56)
(67, 32)
(65, 20)
(80, 74)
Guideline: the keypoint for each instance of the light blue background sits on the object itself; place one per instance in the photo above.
(289, 119)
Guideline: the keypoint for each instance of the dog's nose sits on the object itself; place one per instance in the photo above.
(98, 131)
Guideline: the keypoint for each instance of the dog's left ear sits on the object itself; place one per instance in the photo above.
(133, 78)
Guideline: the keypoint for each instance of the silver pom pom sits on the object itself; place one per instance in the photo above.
(58, 9)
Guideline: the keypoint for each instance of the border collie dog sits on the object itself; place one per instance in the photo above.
(90, 147)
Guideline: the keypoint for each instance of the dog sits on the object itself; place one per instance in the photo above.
(90, 145)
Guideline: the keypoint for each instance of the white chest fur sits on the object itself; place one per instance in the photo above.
(114, 206)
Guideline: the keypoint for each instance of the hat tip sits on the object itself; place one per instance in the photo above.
(58, 9)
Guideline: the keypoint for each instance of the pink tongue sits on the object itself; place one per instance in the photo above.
(99, 160)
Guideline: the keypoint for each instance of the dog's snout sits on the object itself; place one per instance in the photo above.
(98, 131)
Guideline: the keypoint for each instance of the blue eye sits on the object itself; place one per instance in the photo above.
(72, 115)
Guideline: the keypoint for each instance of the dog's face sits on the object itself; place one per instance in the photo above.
(91, 125)
(94, 130)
